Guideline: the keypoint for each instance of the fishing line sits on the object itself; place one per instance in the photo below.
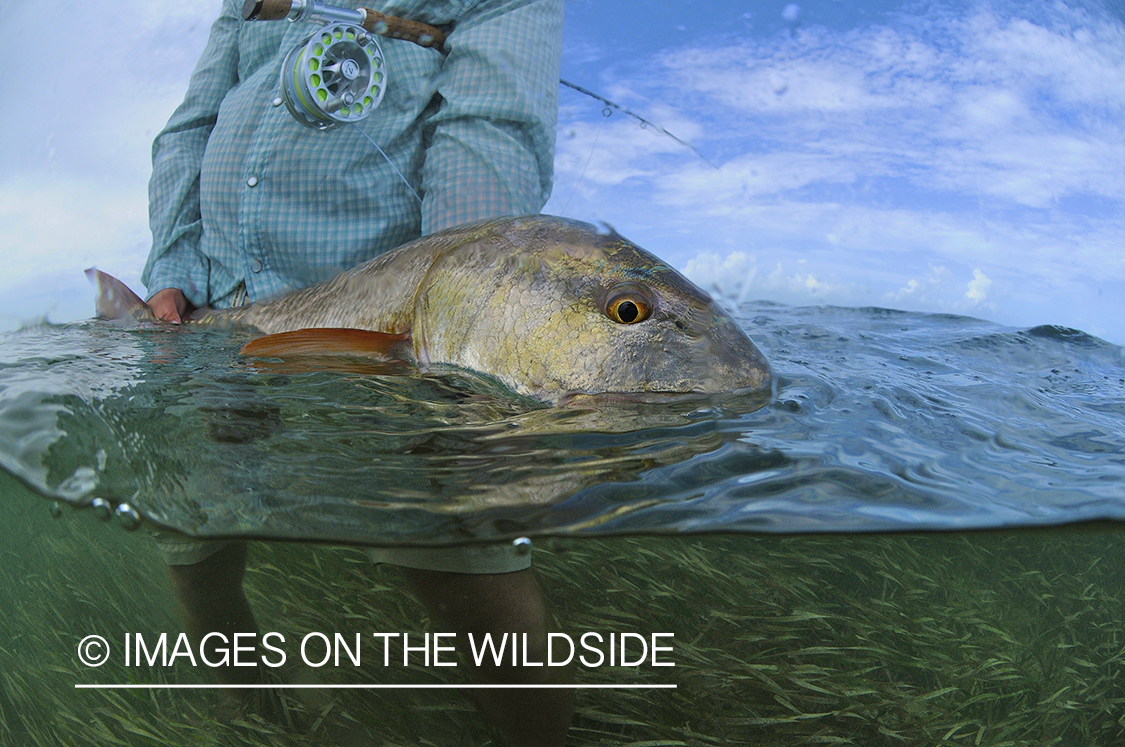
(392, 163)
(606, 113)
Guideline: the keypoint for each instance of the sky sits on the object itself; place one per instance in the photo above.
(952, 157)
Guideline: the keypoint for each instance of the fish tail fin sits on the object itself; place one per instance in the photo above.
(114, 300)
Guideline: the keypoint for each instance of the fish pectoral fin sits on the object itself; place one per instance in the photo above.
(331, 341)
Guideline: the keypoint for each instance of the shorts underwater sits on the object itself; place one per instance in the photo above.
(178, 549)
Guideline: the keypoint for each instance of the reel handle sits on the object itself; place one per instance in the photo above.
(422, 34)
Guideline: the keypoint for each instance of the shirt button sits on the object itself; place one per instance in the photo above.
(277, 101)
(256, 266)
(252, 181)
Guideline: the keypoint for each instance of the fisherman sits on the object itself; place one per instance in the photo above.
(247, 203)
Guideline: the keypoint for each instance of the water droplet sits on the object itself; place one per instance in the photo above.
(522, 545)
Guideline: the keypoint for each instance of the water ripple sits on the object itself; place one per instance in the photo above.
(884, 420)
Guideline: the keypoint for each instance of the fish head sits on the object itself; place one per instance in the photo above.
(575, 310)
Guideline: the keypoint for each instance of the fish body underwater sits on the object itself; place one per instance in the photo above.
(551, 307)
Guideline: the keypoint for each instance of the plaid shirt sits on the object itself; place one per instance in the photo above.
(246, 202)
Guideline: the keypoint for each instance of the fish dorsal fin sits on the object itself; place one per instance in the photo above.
(331, 341)
(114, 300)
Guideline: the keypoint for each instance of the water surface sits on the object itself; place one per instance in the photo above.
(783, 635)
(883, 420)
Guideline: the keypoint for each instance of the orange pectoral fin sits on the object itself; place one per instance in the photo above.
(331, 341)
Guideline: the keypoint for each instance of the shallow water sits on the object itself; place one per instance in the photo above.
(884, 420)
(779, 636)
(999, 639)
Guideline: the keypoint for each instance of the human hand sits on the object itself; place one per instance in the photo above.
(170, 305)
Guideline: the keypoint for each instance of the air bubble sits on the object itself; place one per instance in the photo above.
(128, 516)
(102, 509)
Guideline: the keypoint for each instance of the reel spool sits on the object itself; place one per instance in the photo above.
(337, 75)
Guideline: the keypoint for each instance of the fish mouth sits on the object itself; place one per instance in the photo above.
(571, 399)
(756, 395)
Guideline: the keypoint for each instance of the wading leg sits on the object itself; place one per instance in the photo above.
(502, 603)
(212, 601)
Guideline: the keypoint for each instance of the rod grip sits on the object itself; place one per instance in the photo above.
(422, 34)
(266, 10)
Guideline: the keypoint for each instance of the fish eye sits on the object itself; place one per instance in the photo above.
(628, 307)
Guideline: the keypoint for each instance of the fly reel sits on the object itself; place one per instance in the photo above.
(337, 75)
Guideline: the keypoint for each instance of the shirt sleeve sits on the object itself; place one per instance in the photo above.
(177, 154)
(491, 140)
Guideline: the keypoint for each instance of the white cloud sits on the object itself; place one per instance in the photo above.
(746, 179)
(76, 143)
(925, 291)
(610, 151)
(969, 159)
(991, 104)
(68, 225)
(989, 107)
(978, 287)
(87, 105)
(736, 277)
(879, 164)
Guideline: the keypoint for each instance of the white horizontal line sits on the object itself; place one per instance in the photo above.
(165, 686)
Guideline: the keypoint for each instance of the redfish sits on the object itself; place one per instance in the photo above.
(551, 307)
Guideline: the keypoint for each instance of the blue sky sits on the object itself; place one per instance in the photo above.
(963, 157)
